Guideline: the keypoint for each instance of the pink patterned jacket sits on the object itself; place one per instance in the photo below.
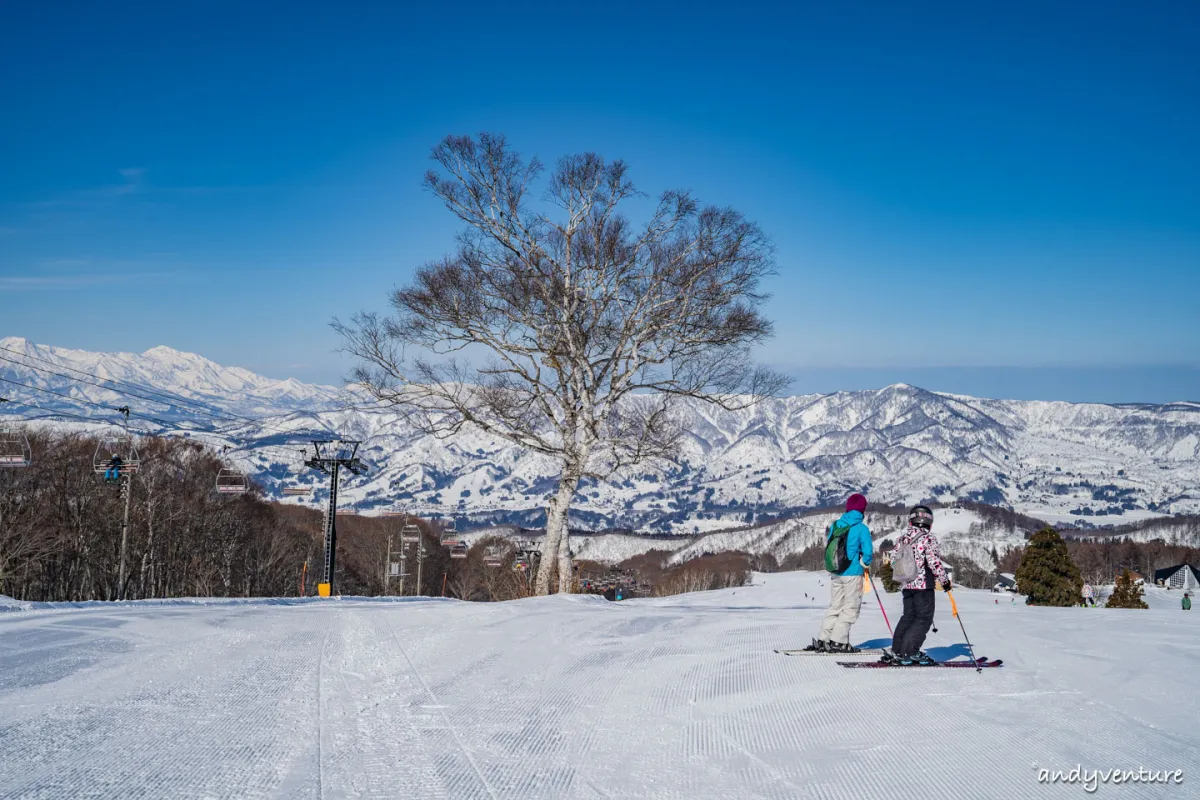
(929, 557)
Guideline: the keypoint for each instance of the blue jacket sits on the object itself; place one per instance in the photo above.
(858, 541)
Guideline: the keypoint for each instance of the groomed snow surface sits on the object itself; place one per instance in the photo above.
(574, 697)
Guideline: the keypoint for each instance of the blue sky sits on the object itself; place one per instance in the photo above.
(1004, 197)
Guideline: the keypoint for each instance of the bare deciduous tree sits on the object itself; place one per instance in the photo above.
(561, 325)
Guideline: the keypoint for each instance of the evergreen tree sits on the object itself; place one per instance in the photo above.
(1046, 575)
(885, 575)
(1127, 594)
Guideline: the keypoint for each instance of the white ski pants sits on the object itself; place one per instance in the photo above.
(846, 599)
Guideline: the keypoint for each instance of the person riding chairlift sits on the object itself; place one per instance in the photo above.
(113, 473)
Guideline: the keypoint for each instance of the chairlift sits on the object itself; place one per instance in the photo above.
(459, 550)
(296, 491)
(450, 537)
(116, 456)
(231, 481)
(14, 448)
(410, 534)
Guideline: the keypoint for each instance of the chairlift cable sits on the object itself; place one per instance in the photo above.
(288, 454)
(85, 401)
(126, 412)
(162, 397)
(53, 413)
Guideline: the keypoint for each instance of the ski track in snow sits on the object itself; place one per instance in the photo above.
(573, 697)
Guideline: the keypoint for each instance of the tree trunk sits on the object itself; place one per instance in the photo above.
(566, 567)
(553, 545)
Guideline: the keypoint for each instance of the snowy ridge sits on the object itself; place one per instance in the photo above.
(1083, 464)
(184, 375)
(962, 532)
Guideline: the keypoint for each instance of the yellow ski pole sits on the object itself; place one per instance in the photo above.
(954, 611)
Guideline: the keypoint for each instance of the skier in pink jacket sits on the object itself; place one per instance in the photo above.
(918, 595)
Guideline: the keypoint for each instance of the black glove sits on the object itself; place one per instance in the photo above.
(947, 586)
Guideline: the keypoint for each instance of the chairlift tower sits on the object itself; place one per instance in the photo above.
(123, 462)
(396, 569)
(330, 457)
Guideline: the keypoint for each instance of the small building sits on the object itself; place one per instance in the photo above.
(1006, 582)
(1180, 576)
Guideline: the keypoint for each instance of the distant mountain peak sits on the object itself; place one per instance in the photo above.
(1063, 462)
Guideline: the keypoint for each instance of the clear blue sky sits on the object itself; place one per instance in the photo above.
(1004, 197)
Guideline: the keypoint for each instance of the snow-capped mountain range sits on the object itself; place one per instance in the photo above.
(1063, 462)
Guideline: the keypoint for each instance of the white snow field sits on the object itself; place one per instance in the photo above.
(574, 697)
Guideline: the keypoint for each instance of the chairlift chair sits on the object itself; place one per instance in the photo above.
(116, 455)
(459, 550)
(296, 491)
(410, 534)
(231, 481)
(14, 448)
(450, 537)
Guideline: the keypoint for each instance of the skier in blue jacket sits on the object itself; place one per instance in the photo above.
(846, 588)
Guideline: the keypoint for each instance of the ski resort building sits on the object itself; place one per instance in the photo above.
(1180, 576)
(1007, 582)
(1138, 580)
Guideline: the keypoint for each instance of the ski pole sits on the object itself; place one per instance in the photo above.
(878, 599)
(954, 611)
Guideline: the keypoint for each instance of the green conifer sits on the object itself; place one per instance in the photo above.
(1046, 575)
(1127, 594)
(885, 575)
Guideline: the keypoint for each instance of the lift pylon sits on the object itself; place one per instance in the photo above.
(330, 457)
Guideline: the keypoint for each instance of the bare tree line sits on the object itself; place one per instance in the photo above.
(60, 530)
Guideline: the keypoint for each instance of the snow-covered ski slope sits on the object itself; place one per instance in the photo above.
(573, 697)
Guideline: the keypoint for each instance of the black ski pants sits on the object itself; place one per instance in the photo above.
(914, 623)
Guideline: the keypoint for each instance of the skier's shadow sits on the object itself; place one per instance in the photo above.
(948, 652)
(874, 644)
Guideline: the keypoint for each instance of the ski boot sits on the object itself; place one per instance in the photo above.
(888, 657)
(922, 659)
(843, 648)
(818, 646)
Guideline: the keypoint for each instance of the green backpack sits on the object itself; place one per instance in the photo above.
(836, 560)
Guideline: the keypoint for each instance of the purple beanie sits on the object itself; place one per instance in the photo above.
(856, 502)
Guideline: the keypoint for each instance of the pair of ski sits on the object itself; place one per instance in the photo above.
(979, 663)
(866, 651)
